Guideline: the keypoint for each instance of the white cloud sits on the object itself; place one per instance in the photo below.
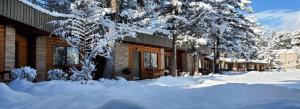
(285, 20)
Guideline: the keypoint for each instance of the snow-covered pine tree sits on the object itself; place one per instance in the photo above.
(274, 41)
(167, 18)
(91, 31)
(227, 26)
(221, 22)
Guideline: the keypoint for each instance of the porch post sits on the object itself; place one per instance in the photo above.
(162, 58)
(41, 58)
(195, 64)
(10, 40)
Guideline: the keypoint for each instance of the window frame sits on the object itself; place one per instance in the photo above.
(64, 57)
(151, 64)
(67, 61)
(63, 60)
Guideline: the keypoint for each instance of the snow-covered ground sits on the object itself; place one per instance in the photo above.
(253, 90)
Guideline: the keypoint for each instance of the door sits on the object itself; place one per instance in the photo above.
(136, 65)
(100, 67)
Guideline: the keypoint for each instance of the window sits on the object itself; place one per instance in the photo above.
(59, 55)
(150, 60)
(65, 55)
(167, 62)
(72, 55)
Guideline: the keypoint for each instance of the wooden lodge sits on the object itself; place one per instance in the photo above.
(25, 41)
(240, 65)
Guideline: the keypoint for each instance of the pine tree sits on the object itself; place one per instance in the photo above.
(222, 23)
(92, 32)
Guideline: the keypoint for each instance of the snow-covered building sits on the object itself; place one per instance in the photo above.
(288, 58)
(229, 64)
(25, 41)
(234, 64)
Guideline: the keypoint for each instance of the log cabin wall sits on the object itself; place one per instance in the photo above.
(21, 51)
(50, 43)
(144, 49)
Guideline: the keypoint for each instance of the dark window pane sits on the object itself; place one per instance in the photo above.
(58, 55)
(72, 56)
(167, 62)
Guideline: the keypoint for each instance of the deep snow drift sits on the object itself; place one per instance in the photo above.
(253, 90)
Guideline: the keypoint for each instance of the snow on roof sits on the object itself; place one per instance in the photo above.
(232, 60)
(244, 60)
(239, 60)
(259, 61)
(52, 13)
(295, 50)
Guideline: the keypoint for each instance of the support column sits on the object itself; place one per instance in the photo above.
(9, 51)
(187, 62)
(162, 58)
(41, 58)
(10, 46)
(195, 64)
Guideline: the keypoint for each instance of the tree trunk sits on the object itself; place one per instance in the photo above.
(216, 66)
(174, 58)
(218, 57)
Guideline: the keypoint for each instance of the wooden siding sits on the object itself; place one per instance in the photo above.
(50, 43)
(143, 49)
(2, 47)
(21, 51)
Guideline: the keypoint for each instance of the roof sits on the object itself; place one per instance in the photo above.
(20, 12)
(29, 14)
(233, 60)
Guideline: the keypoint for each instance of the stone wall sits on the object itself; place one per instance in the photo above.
(162, 58)
(196, 65)
(41, 57)
(187, 62)
(10, 39)
(121, 57)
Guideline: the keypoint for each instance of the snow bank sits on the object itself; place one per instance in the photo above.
(121, 104)
(175, 81)
(20, 85)
(9, 96)
(55, 87)
(253, 90)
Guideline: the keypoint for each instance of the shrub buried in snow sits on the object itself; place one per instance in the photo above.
(23, 73)
(57, 74)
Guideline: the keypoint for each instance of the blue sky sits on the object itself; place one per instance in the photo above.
(278, 14)
(264, 5)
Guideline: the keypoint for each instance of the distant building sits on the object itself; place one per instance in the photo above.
(237, 65)
(289, 59)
